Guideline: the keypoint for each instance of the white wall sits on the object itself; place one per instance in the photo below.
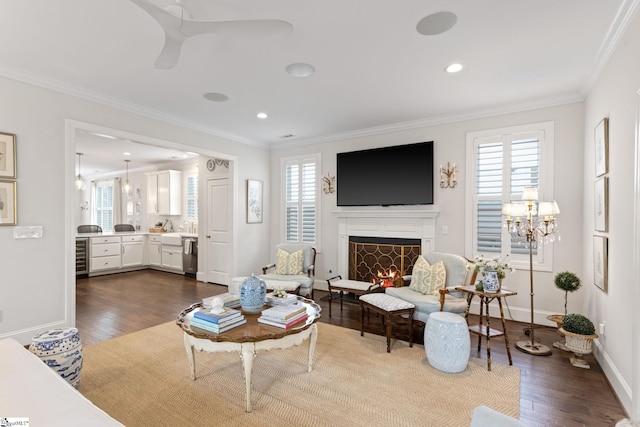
(38, 276)
(615, 95)
(450, 146)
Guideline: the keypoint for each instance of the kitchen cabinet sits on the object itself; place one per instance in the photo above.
(164, 192)
(132, 251)
(172, 257)
(105, 253)
(155, 250)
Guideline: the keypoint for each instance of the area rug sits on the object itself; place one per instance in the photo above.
(143, 379)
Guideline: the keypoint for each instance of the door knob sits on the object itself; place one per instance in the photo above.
(208, 236)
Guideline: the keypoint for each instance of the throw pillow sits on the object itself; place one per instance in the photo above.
(427, 279)
(289, 263)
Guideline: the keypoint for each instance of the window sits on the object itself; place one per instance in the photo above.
(104, 204)
(501, 163)
(301, 200)
(192, 198)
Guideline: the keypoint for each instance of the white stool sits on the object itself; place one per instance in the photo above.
(286, 285)
(61, 350)
(447, 342)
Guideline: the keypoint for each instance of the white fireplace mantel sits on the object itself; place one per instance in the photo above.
(391, 223)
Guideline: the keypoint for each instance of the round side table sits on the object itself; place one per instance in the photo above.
(61, 350)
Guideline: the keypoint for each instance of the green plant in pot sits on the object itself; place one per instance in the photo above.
(568, 282)
(579, 333)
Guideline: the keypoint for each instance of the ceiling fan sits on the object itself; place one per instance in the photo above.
(178, 25)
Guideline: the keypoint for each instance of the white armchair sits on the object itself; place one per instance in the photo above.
(447, 299)
(305, 275)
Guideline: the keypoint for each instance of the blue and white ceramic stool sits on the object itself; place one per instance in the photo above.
(447, 342)
(61, 350)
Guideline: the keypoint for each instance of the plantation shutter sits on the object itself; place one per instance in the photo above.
(301, 200)
(192, 198)
(104, 205)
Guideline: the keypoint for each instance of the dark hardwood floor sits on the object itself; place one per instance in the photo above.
(552, 392)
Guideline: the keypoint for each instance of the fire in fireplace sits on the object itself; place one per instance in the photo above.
(373, 259)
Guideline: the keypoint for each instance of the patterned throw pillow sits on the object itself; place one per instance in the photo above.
(289, 263)
(427, 279)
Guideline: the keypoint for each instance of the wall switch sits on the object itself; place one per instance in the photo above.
(445, 229)
(601, 328)
(27, 232)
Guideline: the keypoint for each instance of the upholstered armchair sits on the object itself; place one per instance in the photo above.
(296, 263)
(445, 298)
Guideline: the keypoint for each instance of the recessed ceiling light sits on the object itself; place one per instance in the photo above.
(436, 23)
(215, 97)
(300, 69)
(262, 115)
(454, 68)
(126, 153)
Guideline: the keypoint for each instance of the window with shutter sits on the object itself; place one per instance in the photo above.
(104, 204)
(301, 199)
(192, 198)
(502, 162)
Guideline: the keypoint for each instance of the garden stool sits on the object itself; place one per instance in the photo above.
(61, 350)
(389, 307)
(447, 342)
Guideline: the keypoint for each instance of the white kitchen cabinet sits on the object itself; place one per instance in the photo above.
(105, 253)
(172, 257)
(155, 250)
(164, 192)
(132, 251)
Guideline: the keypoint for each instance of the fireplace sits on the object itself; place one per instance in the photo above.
(409, 225)
(373, 259)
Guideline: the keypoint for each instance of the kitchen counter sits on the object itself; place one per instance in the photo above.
(132, 233)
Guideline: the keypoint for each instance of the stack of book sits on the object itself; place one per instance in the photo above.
(272, 299)
(230, 318)
(229, 300)
(284, 316)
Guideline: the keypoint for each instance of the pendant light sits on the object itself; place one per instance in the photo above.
(80, 184)
(127, 188)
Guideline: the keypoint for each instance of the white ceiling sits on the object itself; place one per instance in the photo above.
(374, 71)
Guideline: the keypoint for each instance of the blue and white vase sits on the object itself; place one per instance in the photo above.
(252, 293)
(491, 282)
(61, 350)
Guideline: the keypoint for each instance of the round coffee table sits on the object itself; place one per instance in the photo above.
(248, 339)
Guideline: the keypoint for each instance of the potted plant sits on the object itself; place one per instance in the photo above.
(579, 333)
(500, 266)
(567, 282)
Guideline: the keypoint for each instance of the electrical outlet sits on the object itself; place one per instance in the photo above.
(0, 316)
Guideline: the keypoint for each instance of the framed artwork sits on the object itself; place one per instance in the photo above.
(254, 201)
(600, 262)
(602, 147)
(7, 155)
(8, 210)
(601, 203)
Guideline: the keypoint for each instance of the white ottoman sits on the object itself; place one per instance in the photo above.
(391, 308)
(447, 342)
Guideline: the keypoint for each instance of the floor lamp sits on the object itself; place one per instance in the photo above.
(538, 227)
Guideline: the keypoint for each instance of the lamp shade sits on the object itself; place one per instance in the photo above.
(506, 209)
(519, 209)
(530, 193)
(548, 208)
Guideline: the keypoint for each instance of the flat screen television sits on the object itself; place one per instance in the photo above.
(397, 175)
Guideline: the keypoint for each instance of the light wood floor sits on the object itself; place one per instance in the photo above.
(552, 392)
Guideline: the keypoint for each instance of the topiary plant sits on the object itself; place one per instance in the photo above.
(568, 282)
(578, 324)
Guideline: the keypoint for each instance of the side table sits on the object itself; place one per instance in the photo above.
(481, 329)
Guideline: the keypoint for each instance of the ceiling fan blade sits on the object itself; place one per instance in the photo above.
(251, 28)
(165, 19)
(170, 53)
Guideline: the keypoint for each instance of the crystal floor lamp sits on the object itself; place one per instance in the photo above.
(532, 222)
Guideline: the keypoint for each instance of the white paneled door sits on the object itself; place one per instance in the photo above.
(219, 238)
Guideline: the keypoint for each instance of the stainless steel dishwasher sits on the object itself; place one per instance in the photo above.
(190, 255)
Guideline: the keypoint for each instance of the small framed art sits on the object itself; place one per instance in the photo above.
(601, 262)
(8, 210)
(7, 155)
(602, 147)
(601, 203)
(254, 201)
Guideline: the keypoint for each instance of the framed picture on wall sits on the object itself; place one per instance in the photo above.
(8, 210)
(601, 203)
(7, 155)
(601, 262)
(602, 147)
(254, 201)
